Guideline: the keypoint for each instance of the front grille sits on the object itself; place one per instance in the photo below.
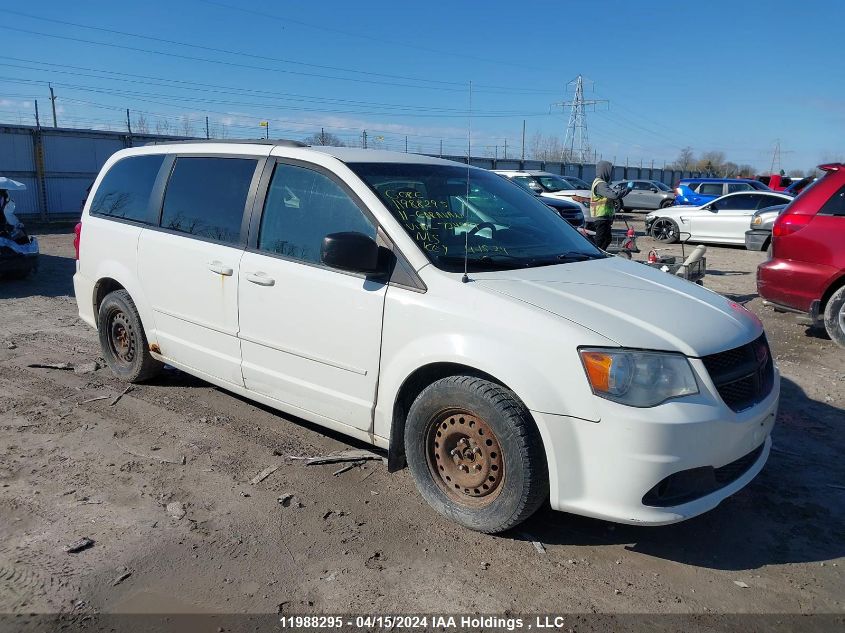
(744, 375)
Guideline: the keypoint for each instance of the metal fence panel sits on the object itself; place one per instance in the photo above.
(66, 153)
(16, 153)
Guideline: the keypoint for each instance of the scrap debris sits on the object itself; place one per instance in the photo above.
(121, 578)
(93, 399)
(351, 455)
(78, 545)
(120, 395)
(65, 366)
(357, 464)
(264, 474)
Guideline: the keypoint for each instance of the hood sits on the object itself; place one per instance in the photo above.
(604, 170)
(631, 304)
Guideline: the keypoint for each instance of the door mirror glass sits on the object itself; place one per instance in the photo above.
(654, 190)
(351, 251)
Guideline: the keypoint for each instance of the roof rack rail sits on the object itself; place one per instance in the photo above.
(283, 142)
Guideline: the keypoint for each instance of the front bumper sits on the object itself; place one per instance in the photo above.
(605, 469)
(755, 239)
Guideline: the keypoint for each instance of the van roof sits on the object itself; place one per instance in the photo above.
(344, 154)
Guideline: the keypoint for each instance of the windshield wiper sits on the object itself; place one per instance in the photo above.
(577, 256)
(486, 262)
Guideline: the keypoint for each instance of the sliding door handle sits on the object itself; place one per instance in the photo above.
(260, 278)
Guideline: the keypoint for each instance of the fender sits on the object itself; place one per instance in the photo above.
(112, 269)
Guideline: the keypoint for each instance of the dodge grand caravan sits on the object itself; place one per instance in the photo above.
(437, 312)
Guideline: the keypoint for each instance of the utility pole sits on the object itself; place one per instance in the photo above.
(506, 149)
(322, 136)
(207, 135)
(406, 143)
(577, 126)
(37, 119)
(53, 100)
(364, 139)
(441, 148)
(128, 121)
(523, 139)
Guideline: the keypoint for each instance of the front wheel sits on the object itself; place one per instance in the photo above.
(666, 203)
(834, 317)
(475, 454)
(665, 230)
(122, 339)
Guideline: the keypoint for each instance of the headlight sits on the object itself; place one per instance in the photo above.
(649, 218)
(638, 379)
(757, 220)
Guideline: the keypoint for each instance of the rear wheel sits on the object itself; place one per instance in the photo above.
(475, 454)
(834, 317)
(665, 230)
(122, 339)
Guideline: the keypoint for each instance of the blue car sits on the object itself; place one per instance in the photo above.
(699, 191)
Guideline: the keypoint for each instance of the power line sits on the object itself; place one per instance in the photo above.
(577, 126)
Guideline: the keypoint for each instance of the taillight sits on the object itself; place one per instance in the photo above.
(77, 236)
(789, 223)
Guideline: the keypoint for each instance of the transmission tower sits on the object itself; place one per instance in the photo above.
(776, 158)
(576, 143)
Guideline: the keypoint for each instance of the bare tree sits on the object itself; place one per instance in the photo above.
(324, 138)
(547, 148)
(685, 160)
(162, 126)
(746, 171)
(795, 173)
(187, 125)
(141, 125)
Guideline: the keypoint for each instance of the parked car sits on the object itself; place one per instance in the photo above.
(776, 182)
(482, 342)
(553, 186)
(699, 191)
(566, 209)
(647, 194)
(759, 235)
(806, 272)
(721, 221)
(798, 186)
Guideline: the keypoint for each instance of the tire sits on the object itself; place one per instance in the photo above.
(466, 422)
(665, 230)
(834, 317)
(122, 339)
(666, 203)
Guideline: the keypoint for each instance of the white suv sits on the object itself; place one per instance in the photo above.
(330, 283)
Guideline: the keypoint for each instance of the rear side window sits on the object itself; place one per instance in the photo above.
(125, 190)
(303, 206)
(739, 186)
(710, 189)
(836, 204)
(770, 201)
(206, 197)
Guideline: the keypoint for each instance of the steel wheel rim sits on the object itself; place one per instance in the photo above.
(663, 230)
(465, 457)
(121, 338)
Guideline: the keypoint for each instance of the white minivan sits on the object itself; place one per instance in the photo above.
(433, 310)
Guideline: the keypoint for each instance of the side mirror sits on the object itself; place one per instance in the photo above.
(654, 190)
(351, 251)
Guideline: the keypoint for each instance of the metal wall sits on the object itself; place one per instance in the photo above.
(59, 164)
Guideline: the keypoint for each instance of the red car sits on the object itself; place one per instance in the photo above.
(806, 272)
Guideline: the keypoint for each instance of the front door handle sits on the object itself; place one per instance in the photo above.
(220, 269)
(260, 278)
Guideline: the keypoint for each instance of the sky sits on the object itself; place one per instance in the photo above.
(735, 77)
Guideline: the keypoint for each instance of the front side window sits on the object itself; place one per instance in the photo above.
(553, 184)
(639, 185)
(125, 190)
(661, 186)
(497, 226)
(736, 203)
(302, 207)
(206, 197)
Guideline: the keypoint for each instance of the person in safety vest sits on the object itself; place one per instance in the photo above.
(603, 201)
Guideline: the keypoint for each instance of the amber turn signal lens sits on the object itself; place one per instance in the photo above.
(597, 365)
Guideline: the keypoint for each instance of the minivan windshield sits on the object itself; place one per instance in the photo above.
(498, 226)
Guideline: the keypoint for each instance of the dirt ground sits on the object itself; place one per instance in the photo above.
(196, 536)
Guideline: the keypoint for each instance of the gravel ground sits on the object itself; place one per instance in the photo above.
(160, 481)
